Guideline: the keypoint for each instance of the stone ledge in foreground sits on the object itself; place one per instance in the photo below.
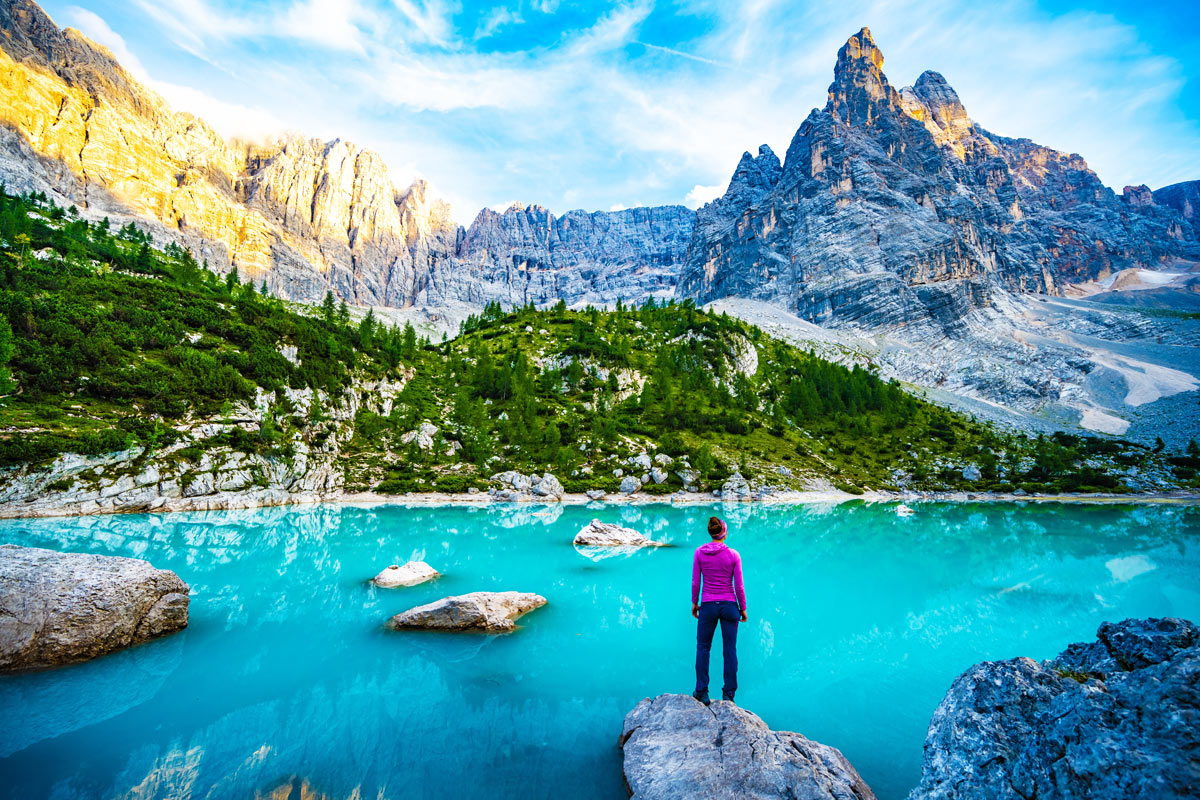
(675, 748)
(1118, 717)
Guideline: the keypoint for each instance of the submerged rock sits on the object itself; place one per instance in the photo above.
(607, 534)
(410, 574)
(486, 611)
(1114, 718)
(676, 748)
(57, 608)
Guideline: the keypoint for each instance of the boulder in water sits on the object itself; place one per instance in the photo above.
(676, 748)
(1113, 718)
(607, 534)
(57, 608)
(482, 611)
(409, 574)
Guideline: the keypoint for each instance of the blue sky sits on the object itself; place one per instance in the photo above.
(606, 105)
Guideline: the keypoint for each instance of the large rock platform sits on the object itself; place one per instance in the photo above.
(57, 608)
(675, 748)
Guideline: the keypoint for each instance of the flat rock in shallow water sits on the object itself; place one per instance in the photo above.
(677, 749)
(409, 574)
(606, 534)
(57, 608)
(483, 611)
(1115, 718)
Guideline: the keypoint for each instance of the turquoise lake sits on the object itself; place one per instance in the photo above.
(286, 680)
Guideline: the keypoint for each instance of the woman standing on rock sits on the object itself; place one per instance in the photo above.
(719, 568)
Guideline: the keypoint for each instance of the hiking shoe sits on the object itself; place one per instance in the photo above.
(727, 696)
(702, 696)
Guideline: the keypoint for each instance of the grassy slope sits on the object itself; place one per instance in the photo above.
(116, 344)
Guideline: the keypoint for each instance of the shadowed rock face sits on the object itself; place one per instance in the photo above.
(57, 608)
(676, 748)
(1113, 718)
(892, 207)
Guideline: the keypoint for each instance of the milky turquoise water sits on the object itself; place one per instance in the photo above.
(286, 676)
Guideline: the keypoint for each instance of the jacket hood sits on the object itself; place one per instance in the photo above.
(713, 547)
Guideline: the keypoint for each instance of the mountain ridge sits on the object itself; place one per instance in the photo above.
(893, 218)
(894, 208)
(304, 215)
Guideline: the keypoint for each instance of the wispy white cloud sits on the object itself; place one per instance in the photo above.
(613, 30)
(699, 195)
(500, 17)
(431, 20)
(195, 24)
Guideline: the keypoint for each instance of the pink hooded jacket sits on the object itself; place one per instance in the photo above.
(721, 568)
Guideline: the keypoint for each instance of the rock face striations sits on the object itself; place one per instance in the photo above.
(1113, 718)
(57, 608)
(303, 215)
(892, 207)
(676, 748)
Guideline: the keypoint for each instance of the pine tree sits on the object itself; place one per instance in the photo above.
(366, 331)
(327, 308)
(408, 349)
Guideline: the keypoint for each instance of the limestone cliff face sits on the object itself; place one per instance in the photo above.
(303, 215)
(893, 208)
(528, 255)
(1184, 198)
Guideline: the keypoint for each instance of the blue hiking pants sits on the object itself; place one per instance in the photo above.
(712, 611)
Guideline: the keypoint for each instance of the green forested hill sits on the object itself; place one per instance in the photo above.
(111, 344)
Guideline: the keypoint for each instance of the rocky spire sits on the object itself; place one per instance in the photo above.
(860, 92)
(941, 100)
(754, 176)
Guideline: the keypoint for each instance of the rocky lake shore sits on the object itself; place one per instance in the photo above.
(268, 498)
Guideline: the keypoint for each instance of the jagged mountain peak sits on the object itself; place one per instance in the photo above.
(860, 92)
(754, 176)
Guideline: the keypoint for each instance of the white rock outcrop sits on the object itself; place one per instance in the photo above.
(409, 574)
(607, 534)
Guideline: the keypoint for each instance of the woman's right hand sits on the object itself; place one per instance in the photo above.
(743, 615)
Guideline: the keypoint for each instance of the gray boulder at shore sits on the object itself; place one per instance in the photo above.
(481, 611)
(57, 608)
(676, 748)
(1115, 718)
